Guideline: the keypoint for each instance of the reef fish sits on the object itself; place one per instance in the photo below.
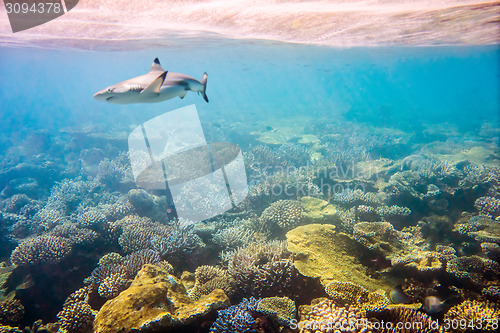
(155, 86)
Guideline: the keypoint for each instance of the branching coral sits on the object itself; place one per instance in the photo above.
(41, 250)
(326, 316)
(473, 268)
(262, 269)
(468, 315)
(236, 318)
(11, 311)
(403, 320)
(75, 316)
(283, 214)
(209, 278)
(488, 206)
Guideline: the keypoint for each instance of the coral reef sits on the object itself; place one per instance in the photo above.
(473, 316)
(209, 278)
(41, 250)
(236, 318)
(473, 269)
(262, 269)
(164, 303)
(323, 253)
(488, 206)
(283, 214)
(348, 293)
(11, 311)
(325, 316)
(401, 319)
(281, 309)
(75, 316)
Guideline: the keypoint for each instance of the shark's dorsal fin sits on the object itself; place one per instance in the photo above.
(154, 87)
(156, 67)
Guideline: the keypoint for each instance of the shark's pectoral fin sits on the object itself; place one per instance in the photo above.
(154, 87)
(183, 94)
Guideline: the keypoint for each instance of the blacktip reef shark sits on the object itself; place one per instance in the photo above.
(155, 86)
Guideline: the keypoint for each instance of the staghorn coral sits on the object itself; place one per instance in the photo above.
(473, 269)
(209, 278)
(326, 316)
(11, 311)
(41, 250)
(284, 214)
(476, 313)
(236, 318)
(75, 316)
(401, 319)
(281, 309)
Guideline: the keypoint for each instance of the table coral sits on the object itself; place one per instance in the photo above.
(321, 252)
(155, 300)
(473, 268)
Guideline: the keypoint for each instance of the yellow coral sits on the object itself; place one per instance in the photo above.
(473, 312)
(281, 309)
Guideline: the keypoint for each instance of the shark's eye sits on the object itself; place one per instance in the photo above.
(109, 89)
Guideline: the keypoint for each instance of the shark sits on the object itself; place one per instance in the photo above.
(157, 85)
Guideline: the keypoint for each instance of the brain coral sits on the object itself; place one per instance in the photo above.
(41, 250)
(473, 312)
(327, 317)
(285, 214)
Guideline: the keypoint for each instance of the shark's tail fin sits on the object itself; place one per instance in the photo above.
(204, 83)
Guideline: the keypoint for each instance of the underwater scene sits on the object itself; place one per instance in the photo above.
(251, 166)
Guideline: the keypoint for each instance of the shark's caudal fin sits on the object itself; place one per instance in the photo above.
(204, 83)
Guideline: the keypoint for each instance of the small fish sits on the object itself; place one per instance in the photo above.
(398, 296)
(433, 305)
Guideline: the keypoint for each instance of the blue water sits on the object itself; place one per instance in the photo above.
(251, 81)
